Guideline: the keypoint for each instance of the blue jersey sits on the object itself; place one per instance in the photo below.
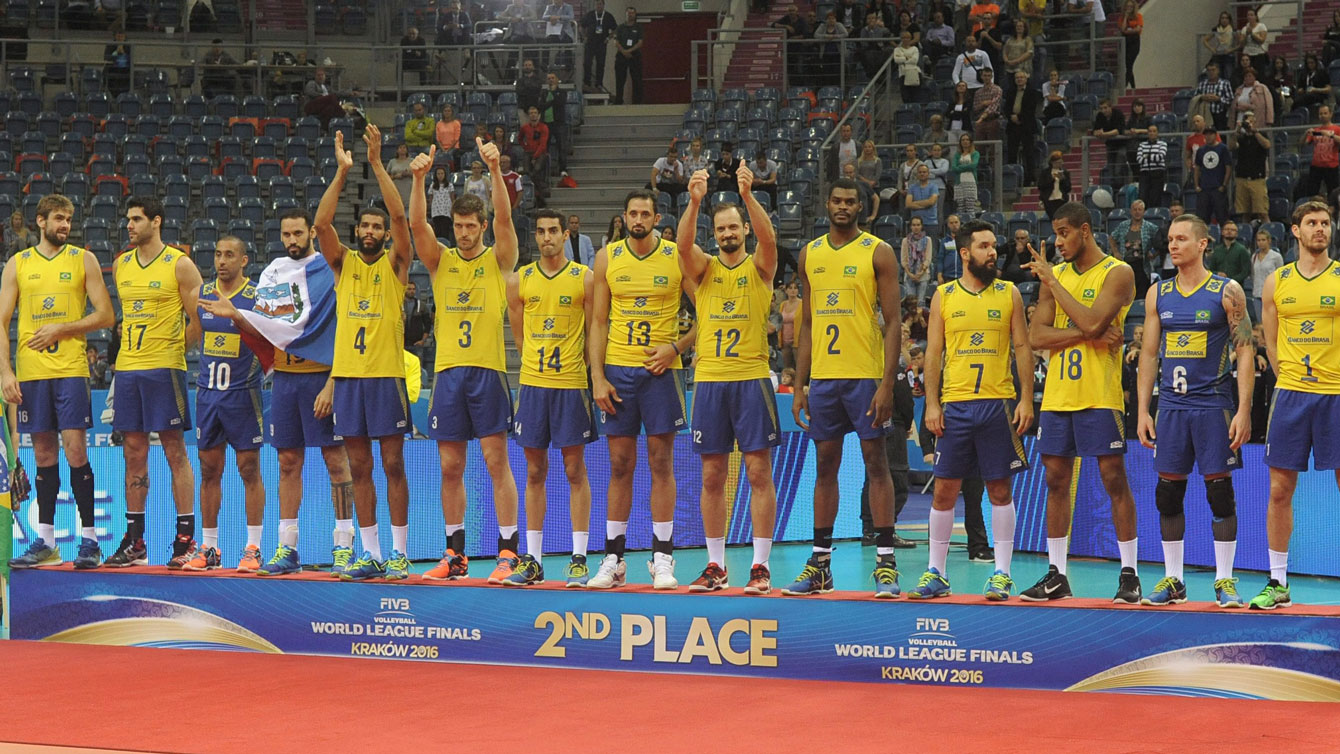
(226, 362)
(1196, 346)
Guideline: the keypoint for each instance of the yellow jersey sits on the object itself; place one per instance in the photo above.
(153, 325)
(369, 321)
(845, 338)
(287, 362)
(732, 323)
(1087, 374)
(51, 291)
(554, 352)
(1306, 345)
(978, 351)
(644, 301)
(471, 296)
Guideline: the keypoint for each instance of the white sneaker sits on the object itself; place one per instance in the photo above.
(662, 568)
(612, 573)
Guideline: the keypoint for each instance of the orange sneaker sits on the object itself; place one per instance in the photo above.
(251, 560)
(760, 581)
(450, 568)
(506, 564)
(206, 559)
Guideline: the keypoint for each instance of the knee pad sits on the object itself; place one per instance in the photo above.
(1169, 495)
(1219, 493)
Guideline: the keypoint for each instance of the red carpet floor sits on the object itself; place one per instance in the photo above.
(161, 700)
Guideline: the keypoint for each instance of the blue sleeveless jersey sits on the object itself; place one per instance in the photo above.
(1196, 347)
(226, 362)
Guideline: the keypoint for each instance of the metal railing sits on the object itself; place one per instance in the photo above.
(805, 62)
(1099, 54)
(1204, 55)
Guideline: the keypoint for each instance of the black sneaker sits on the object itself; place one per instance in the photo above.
(1053, 586)
(867, 537)
(128, 553)
(1128, 588)
(982, 556)
(903, 544)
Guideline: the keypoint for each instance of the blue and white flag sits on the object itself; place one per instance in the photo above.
(295, 307)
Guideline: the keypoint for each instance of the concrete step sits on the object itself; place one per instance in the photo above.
(627, 151)
(608, 195)
(605, 132)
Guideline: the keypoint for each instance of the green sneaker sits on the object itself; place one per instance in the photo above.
(397, 566)
(1274, 595)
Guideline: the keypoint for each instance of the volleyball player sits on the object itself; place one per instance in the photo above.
(637, 383)
(1192, 323)
(51, 284)
(848, 277)
(976, 323)
(159, 287)
(369, 401)
(471, 397)
(1082, 305)
(734, 404)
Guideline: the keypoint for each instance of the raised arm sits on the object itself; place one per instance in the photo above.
(1235, 305)
(933, 416)
(323, 224)
(504, 233)
(693, 260)
(1092, 322)
(425, 238)
(188, 286)
(765, 251)
(402, 250)
(1148, 371)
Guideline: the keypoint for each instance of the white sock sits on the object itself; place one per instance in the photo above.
(1279, 566)
(1224, 554)
(535, 543)
(341, 536)
(1002, 535)
(452, 529)
(507, 532)
(254, 535)
(371, 538)
(288, 532)
(400, 538)
(89, 532)
(1056, 552)
(344, 524)
(663, 530)
(579, 541)
(210, 537)
(1172, 559)
(616, 529)
(47, 533)
(716, 550)
(762, 550)
(1128, 553)
(941, 528)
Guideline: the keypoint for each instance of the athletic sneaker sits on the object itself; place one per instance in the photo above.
(578, 573)
(1226, 593)
(366, 567)
(183, 552)
(1128, 588)
(90, 554)
(130, 552)
(932, 584)
(613, 571)
(450, 568)
(284, 561)
(886, 579)
(662, 570)
(340, 557)
(529, 572)
(39, 554)
(251, 560)
(1169, 591)
(397, 567)
(206, 559)
(760, 580)
(1053, 586)
(982, 556)
(999, 586)
(507, 561)
(1274, 595)
(712, 579)
(815, 578)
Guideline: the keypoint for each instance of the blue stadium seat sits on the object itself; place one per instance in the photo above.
(251, 209)
(213, 127)
(129, 104)
(195, 107)
(60, 165)
(205, 232)
(307, 128)
(246, 187)
(104, 208)
(217, 209)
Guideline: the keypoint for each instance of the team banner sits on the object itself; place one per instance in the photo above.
(1242, 655)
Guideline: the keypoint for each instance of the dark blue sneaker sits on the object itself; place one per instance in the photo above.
(1169, 591)
(578, 572)
(815, 578)
(366, 567)
(397, 567)
(886, 580)
(285, 560)
(90, 554)
(932, 584)
(528, 572)
(39, 554)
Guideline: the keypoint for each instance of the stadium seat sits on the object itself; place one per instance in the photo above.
(105, 208)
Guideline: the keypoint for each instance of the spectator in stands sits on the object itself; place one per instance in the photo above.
(796, 28)
(847, 148)
(319, 100)
(615, 232)
(906, 23)
(420, 129)
(1132, 241)
(696, 159)
(991, 38)
(1086, 19)
(1229, 257)
(1109, 127)
(529, 85)
(1159, 254)
(1216, 93)
(830, 57)
(1131, 23)
(907, 172)
(1324, 173)
(554, 113)
(907, 58)
(441, 196)
(969, 65)
(507, 146)
(1011, 257)
(1265, 260)
(579, 246)
(455, 29)
(220, 80)
(414, 54)
(869, 167)
(1222, 42)
(876, 50)
(1213, 170)
(668, 174)
(559, 29)
(982, 16)
(1017, 54)
(1194, 142)
(97, 368)
(1054, 184)
(765, 173)
(725, 168)
(597, 29)
(1151, 158)
(1053, 94)
(418, 319)
(478, 183)
(512, 180)
(1251, 156)
(535, 144)
(922, 199)
(1253, 96)
(917, 254)
(1252, 40)
(964, 168)
(1330, 39)
(398, 168)
(939, 168)
(628, 62)
(938, 41)
(17, 236)
(936, 132)
(959, 112)
(1244, 62)
(116, 75)
(520, 19)
(986, 107)
(1313, 84)
(448, 133)
(949, 264)
(1279, 79)
(869, 199)
(1021, 125)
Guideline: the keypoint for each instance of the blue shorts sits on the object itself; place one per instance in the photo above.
(727, 413)
(293, 422)
(150, 400)
(1082, 434)
(232, 416)
(979, 441)
(469, 403)
(651, 401)
(837, 407)
(554, 417)
(1194, 437)
(371, 406)
(58, 403)
(1300, 423)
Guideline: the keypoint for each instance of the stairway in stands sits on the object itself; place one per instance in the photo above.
(757, 59)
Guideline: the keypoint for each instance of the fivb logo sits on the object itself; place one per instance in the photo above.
(25, 523)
